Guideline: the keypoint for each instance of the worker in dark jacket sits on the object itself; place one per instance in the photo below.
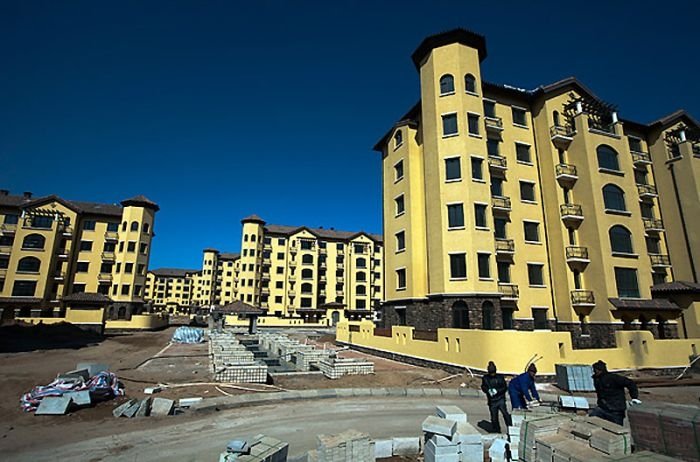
(494, 385)
(610, 389)
(521, 387)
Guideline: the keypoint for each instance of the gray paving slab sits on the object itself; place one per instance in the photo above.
(117, 412)
(162, 406)
(433, 424)
(53, 405)
(93, 368)
(80, 398)
(144, 408)
(131, 410)
(405, 446)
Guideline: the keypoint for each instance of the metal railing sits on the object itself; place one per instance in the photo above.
(576, 253)
(574, 210)
(566, 170)
(660, 260)
(499, 202)
(498, 162)
(582, 297)
(639, 157)
(493, 123)
(652, 224)
(646, 190)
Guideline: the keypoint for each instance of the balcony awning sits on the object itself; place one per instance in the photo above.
(639, 305)
(239, 307)
(676, 288)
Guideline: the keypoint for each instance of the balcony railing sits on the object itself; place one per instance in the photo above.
(646, 190)
(493, 123)
(509, 291)
(653, 224)
(291, 293)
(641, 158)
(8, 228)
(578, 253)
(111, 235)
(108, 256)
(660, 261)
(322, 250)
(582, 297)
(566, 173)
(293, 250)
(561, 136)
(340, 265)
(505, 246)
(105, 276)
(501, 203)
(498, 163)
(571, 213)
(59, 275)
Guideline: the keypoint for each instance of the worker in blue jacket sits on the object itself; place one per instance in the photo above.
(520, 388)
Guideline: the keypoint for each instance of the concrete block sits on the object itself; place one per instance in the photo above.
(466, 433)
(162, 406)
(439, 426)
(450, 392)
(415, 392)
(151, 390)
(80, 398)
(119, 410)
(439, 440)
(379, 392)
(432, 392)
(187, 402)
(383, 449)
(53, 405)
(344, 392)
(362, 392)
(471, 453)
(497, 451)
(451, 413)
(93, 368)
(144, 408)
(430, 455)
(131, 410)
(406, 446)
(396, 391)
(514, 431)
(446, 450)
(327, 393)
(82, 374)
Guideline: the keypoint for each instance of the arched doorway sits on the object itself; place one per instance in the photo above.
(335, 317)
(460, 315)
(487, 316)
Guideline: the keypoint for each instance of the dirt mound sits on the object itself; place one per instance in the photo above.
(27, 337)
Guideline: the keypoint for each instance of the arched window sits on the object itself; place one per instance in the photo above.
(557, 121)
(447, 84)
(607, 158)
(134, 225)
(620, 239)
(124, 226)
(146, 228)
(360, 276)
(360, 290)
(306, 288)
(470, 83)
(33, 241)
(29, 265)
(487, 316)
(398, 138)
(307, 259)
(307, 273)
(361, 263)
(614, 197)
(460, 315)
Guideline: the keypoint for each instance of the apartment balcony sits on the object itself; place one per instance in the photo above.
(108, 256)
(647, 191)
(111, 236)
(566, 174)
(293, 250)
(59, 275)
(3, 272)
(291, 293)
(509, 291)
(505, 247)
(561, 136)
(265, 290)
(292, 277)
(67, 232)
(62, 254)
(571, 214)
(641, 159)
(577, 257)
(292, 264)
(498, 164)
(266, 261)
(322, 251)
(264, 305)
(322, 278)
(322, 293)
(5, 249)
(500, 204)
(267, 246)
(339, 293)
(493, 124)
(660, 261)
(340, 265)
(341, 251)
(653, 225)
(582, 298)
(105, 277)
(7, 229)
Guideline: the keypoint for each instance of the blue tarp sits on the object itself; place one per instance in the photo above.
(188, 335)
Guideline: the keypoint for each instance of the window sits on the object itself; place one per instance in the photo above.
(626, 280)
(449, 124)
(620, 239)
(307, 259)
(307, 273)
(280, 241)
(11, 219)
(480, 215)
(532, 231)
(607, 158)
(658, 277)
(453, 171)
(113, 227)
(473, 123)
(123, 229)
(4, 261)
(82, 267)
(361, 276)
(134, 226)
(527, 191)
(484, 261)
(401, 279)
(306, 245)
(400, 206)
(507, 314)
(131, 247)
(496, 186)
(280, 255)
(503, 268)
(635, 144)
(477, 168)
(142, 248)
(398, 170)
(522, 153)
(614, 198)
(121, 246)
(360, 290)
(253, 237)
(534, 274)
(89, 225)
(458, 266)
(493, 147)
(499, 225)
(540, 317)
(653, 245)
(33, 241)
(128, 268)
(358, 248)
(85, 246)
(24, 289)
(398, 138)
(455, 216)
(400, 241)
(470, 83)
(42, 222)
(279, 285)
(489, 109)
(125, 289)
(519, 116)
(361, 263)
(29, 265)
(106, 268)
(447, 84)
(306, 288)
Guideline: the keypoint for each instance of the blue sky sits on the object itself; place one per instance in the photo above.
(220, 109)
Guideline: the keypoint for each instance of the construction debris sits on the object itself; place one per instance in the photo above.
(185, 334)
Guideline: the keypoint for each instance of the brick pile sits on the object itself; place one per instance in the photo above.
(670, 429)
(334, 368)
(448, 437)
(232, 362)
(348, 446)
(304, 359)
(260, 449)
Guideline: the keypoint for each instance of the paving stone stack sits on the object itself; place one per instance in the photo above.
(669, 429)
(260, 449)
(575, 377)
(348, 446)
(334, 368)
(448, 437)
(232, 362)
(304, 359)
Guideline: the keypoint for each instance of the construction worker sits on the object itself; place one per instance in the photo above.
(610, 389)
(494, 386)
(520, 388)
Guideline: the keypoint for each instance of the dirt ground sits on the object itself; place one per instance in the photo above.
(146, 359)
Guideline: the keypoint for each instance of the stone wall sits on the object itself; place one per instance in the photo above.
(438, 312)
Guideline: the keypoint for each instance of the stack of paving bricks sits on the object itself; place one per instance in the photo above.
(231, 362)
(575, 377)
(261, 449)
(304, 359)
(670, 429)
(448, 437)
(348, 446)
(334, 368)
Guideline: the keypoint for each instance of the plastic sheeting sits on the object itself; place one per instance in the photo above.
(102, 386)
(186, 334)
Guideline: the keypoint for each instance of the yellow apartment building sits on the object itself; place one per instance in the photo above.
(170, 289)
(57, 254)
(540, 209)
(216, 283)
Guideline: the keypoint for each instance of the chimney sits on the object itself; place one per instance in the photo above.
(4, 192)
(27, 194)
